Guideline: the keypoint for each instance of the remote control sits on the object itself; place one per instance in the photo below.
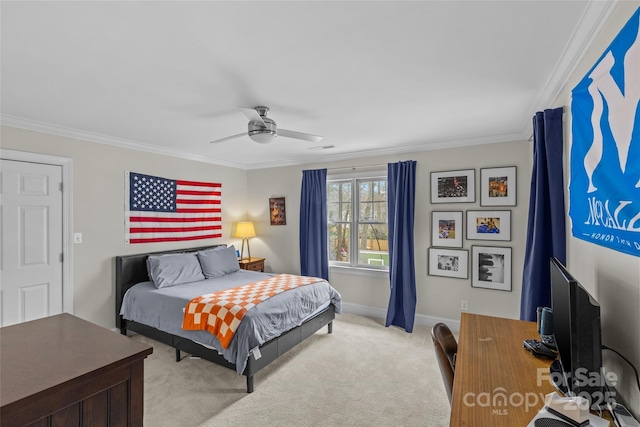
(549, 341)
(538, 349)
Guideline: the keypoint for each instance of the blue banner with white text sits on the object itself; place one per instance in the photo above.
(604, 190)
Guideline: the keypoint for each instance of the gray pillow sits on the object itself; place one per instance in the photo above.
(174, 269)
(218, 262)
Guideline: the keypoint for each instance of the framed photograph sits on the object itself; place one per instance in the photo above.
(277, 212)
(446, 229)
(453, 186)
(491, 268)
(498, 186)
(489, 225)
(449, 263)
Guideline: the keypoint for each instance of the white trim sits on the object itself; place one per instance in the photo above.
(51, 129)
(378, 172)
(66, 164)
(591, 22)
(380, 313)
(359, 271)
(437, 144)
(427, 145)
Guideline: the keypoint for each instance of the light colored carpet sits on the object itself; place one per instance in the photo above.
(363, 374)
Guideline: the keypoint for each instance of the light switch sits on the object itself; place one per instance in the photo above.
(77, 237)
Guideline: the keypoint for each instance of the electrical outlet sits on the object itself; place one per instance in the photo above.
(464, 305)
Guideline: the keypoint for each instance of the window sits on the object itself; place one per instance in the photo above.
(357, 223)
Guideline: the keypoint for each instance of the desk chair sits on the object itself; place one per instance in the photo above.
(446, 348)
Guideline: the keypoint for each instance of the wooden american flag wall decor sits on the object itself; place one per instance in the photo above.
(167, 210)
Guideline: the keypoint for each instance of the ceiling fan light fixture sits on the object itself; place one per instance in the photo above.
(264, 132)
(262, 137)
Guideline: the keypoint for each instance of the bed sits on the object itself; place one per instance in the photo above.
(157, 313)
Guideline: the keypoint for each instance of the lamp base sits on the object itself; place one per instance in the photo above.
(248, 249)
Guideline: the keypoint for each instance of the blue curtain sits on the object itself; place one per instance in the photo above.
(546, 228)
(314, 254)
(401, 191)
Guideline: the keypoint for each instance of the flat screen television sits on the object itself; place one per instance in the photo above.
(577, 333)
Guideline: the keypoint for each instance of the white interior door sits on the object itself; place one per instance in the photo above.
(31, 257)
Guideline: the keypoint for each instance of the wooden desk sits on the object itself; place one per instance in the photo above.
(497, 382)
(62, 370)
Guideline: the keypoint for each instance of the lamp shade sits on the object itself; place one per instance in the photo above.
(245, 230)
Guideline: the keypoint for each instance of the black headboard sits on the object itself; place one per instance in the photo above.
(132, 269)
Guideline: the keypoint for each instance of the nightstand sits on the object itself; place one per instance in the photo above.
(253, 264)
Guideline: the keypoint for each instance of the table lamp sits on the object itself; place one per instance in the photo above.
(244, 230)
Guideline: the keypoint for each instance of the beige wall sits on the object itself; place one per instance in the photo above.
(98, 208)
(438, 297)
(98, 186)
(612, 277)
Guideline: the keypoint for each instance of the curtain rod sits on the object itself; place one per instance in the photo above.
(353, 168)
(564, 111)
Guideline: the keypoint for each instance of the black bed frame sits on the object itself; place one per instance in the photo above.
(132, 269)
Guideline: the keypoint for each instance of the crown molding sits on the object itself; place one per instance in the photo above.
(385, 152)
(35, 126)
(591, 22)
(48, 128)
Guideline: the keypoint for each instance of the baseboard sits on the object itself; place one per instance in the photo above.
(380, 313)
(129, 333)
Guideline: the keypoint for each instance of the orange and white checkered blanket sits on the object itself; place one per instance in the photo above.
(221, 312)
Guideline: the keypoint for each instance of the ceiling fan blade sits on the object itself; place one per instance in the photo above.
(299, 135)
(228, 138)
(252, 115)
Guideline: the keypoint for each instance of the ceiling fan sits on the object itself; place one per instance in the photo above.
(263, 130)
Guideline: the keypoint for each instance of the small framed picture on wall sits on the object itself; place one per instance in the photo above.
(489, 225)
(446, 229)
(449, 263)
(491, 268)
(498, 186)
(453, 186)
(277, 212)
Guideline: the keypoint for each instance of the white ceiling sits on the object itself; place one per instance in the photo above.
(373, 78)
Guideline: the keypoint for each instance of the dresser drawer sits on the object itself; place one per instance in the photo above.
(256, 266)
(253, 264)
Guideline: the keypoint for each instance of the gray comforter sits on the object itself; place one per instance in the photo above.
(163, 310)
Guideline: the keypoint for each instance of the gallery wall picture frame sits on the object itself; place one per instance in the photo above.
(489, 225)
(491, 267)
(457, 186)
(446, 229)
(277, 212)
(498, 186)
(448, 263)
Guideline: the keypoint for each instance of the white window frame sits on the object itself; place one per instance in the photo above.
(352, 267)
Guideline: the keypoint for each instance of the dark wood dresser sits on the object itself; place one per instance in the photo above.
(65, 371)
